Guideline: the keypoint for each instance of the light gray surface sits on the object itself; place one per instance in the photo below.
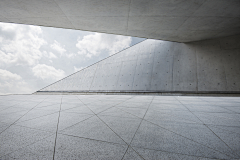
(120, 127)
(177, 20)
(162, 66)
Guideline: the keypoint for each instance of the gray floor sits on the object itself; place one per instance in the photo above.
(119, 127)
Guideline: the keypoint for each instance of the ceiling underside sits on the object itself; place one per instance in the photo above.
(172, 20)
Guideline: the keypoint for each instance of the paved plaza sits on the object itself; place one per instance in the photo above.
(119, 127)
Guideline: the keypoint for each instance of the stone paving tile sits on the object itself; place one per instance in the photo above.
(171, 116)
(153, 137)
(47, 123)
(42, 149)
(27, 105)
(153, 154)
(69, 147)
(124, 127)
(36, 113)
(3, 126)
(79, 110)
(67, 106)
(93, 128)
(143, 105)
(6, 157)
(69, 119)
(228, 116)
(231, 139)
(71, 101)
(11, 118)
(102, 126)
(131, 154)
(225, 104)
(227, 128)
(98, 108)
(198, 102)
(167, 106)
(199, 133)
(116, 112)
(4, 107)
(54, 108)
(12, 110)
(47, 104)
(235, 109)
(218, 119)
(207, 108)
(16, 137)
(139, 112)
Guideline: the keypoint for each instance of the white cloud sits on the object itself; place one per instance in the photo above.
(44, 71)
(6, 75)
(58, 47)
(12, 83)
(7, 59)
(77, 69)
(94, 44)
(49, 54)
(8, 26)
(20, 44)
(70, 55)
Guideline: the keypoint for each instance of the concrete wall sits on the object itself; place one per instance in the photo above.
(162, 66)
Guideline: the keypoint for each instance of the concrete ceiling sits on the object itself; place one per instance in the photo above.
(173, 20)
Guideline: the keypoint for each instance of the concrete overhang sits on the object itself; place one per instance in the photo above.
(172, 20)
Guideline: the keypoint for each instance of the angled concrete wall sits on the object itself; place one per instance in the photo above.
(162, 66)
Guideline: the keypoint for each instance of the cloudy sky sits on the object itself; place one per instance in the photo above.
(32, 57)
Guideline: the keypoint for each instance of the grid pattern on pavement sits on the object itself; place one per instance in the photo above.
(119, 127)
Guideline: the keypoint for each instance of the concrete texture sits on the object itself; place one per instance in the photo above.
(209, 66)
(119, 127)
(175, 20)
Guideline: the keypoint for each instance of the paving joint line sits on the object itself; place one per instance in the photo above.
(39, 117)
(222, 128)
(77, 113)
(57, 130)
(77, 123)
(91, 139)
(33, 128)
(221, 107)
(120, 116)
(221, 116)
(69, 109)
(16, 112)
(212, 112)
(49, 105)
(172, 152)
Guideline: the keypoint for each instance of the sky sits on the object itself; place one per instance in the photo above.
(32, 57)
